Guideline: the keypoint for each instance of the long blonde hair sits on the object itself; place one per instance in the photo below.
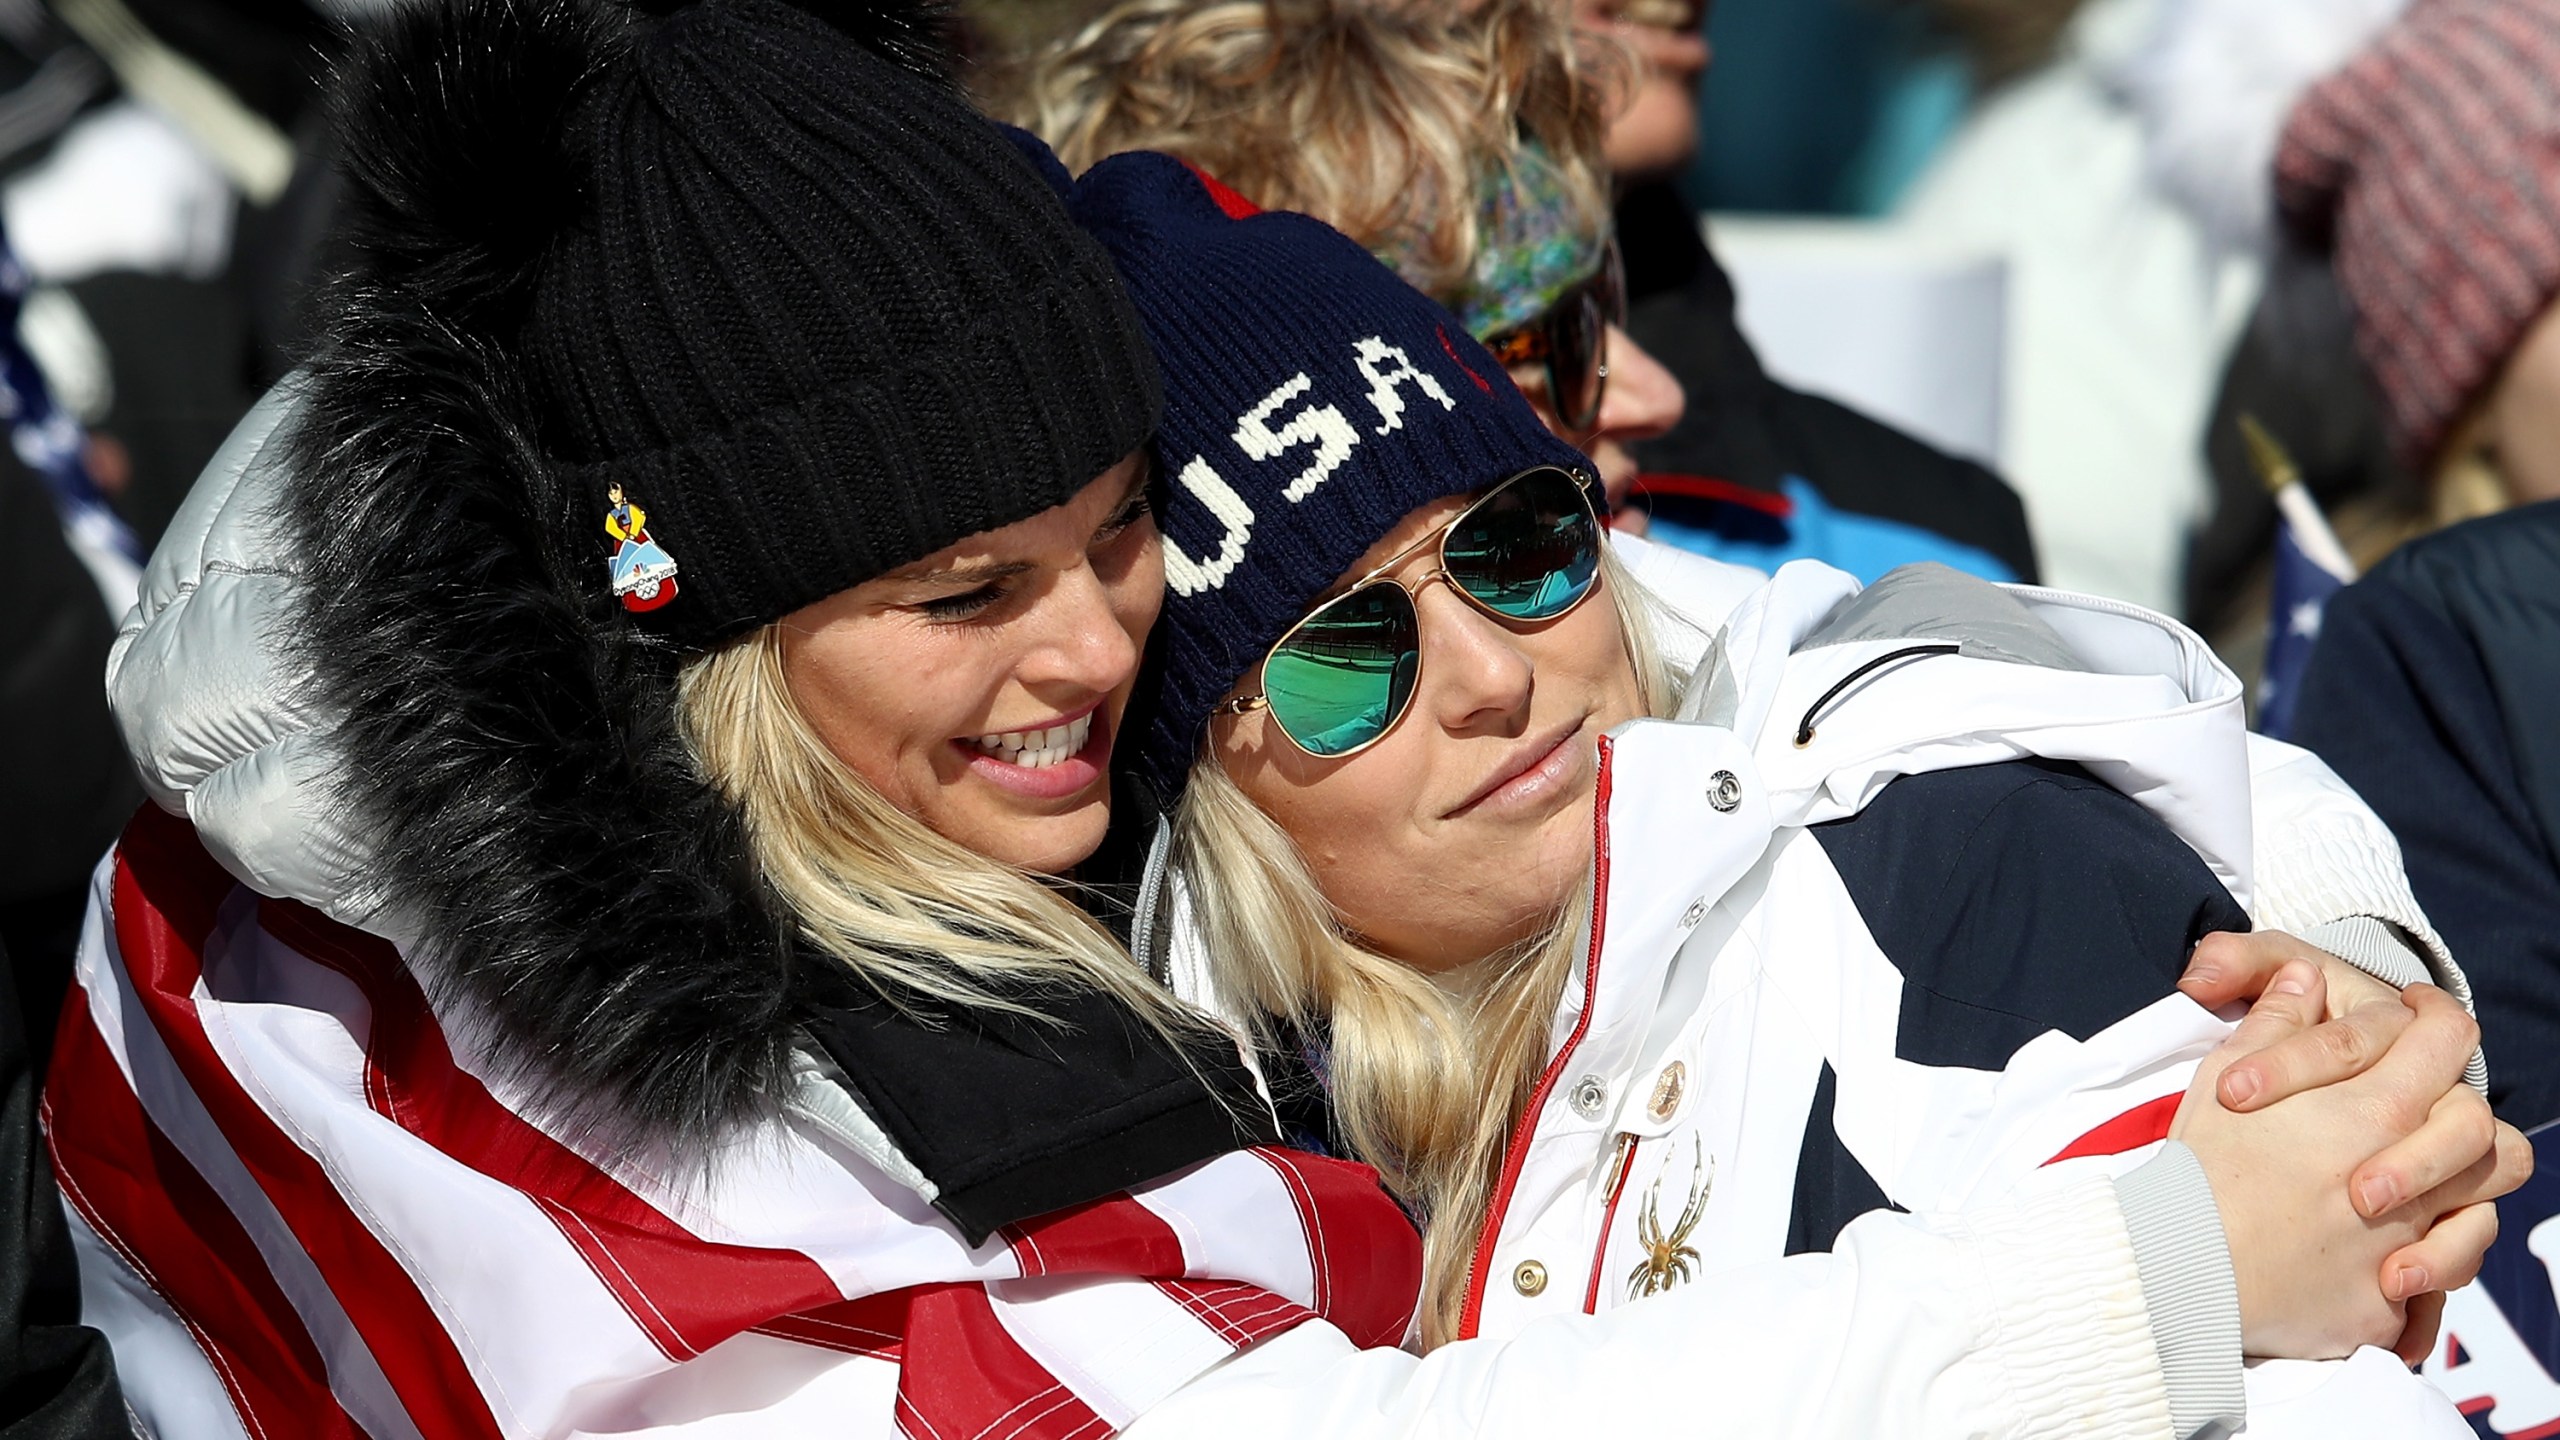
(1427, 1077)
(912, 914)
(1385, 120)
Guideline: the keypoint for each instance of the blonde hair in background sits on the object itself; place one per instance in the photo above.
(1383, 118)
(1428, 1075)
(914, 915)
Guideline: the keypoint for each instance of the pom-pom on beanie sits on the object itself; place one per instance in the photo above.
(789, 313)
(2430, 167)
(1312, 401)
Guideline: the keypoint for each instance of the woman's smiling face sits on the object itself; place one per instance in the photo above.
(1469, 823)
(980, 688)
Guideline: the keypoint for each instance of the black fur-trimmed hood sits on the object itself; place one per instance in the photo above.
(506, 739)
(490, 767)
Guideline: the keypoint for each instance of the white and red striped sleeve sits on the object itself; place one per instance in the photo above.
(282, 1165)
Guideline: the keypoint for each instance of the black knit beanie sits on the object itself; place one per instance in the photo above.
(815, 320)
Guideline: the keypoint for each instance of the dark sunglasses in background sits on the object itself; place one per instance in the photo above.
(1571, 339)
(1341, 677)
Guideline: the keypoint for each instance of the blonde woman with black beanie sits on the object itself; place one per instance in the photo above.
(588, 970)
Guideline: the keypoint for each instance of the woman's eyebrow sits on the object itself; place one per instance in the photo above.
(983, 573)
(1138, 484)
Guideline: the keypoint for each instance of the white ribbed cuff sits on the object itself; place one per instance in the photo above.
(2388, 954)
(2187, 1281)
(2071, 1332)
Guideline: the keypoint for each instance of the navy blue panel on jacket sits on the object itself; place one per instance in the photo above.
(2435, 692)
(1832, 1188)
(2019, 898)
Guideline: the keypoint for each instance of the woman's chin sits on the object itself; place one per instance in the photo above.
(1043, 844)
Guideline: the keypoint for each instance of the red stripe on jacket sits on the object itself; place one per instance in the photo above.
(140, 1195)
(167, 896)
(685, 1293)
(983, 1382)
(2135, 1128)
(961, 1374)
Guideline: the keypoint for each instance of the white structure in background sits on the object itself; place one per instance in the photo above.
(2096, 215)
(1858, 312)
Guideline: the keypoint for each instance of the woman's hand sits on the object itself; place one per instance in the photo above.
(2229, 968)
(2321, 1272)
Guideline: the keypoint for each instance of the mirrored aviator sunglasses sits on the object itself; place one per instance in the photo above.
(1339, 679)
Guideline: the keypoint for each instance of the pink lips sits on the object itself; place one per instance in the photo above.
(1539, 764)
(1072, 776)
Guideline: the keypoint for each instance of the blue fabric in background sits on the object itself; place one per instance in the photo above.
(1821, 107)
(2434, 692)
(1813, 530)
(2302, 591)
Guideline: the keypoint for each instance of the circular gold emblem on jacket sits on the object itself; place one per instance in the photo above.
(1530, 1279)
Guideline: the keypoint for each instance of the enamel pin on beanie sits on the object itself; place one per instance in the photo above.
(644, 574)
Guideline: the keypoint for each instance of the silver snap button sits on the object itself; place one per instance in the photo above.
(1587, 1097)
(1724, 791)
(1696, 912)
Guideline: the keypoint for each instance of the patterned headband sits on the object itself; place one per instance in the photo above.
(1531, 246)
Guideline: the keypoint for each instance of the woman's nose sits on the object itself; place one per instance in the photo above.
(1475, 674)
(1082, 638)
(1643, 399)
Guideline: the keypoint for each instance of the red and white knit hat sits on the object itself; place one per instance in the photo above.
(2430, 166)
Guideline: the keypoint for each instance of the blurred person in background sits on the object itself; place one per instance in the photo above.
(2429, 171)
(2433, 690)
(1781, 447)
(1472, 147)
(65, 785)
(2428, 168)
(145, 155)
(2119, 309)
(163, 211)
(1777, 445)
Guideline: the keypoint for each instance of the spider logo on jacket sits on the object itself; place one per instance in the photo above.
(1668, 1259)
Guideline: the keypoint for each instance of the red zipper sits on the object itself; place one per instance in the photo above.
(1471, 1313)
(1620, 1168)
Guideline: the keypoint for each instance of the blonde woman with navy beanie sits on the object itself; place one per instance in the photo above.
(595, 964)
(1396, 659)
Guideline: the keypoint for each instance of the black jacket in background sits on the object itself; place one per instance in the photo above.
(65, 785)
(1746, 428)
(57, 1381)
(2435, 692)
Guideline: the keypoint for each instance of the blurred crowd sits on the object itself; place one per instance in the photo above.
(1992, 283)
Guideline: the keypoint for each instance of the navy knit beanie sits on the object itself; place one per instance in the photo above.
(1312, 401)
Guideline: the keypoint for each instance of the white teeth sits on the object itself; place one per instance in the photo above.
(1039, 749)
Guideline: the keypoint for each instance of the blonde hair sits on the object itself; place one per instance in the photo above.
(915, 916)
(1385, 120)
(1428, 1075)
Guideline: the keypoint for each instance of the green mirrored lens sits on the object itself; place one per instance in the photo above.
(1529, 550)
(1345, 673)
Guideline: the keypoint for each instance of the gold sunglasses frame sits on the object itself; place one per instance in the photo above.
(1378, 574)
